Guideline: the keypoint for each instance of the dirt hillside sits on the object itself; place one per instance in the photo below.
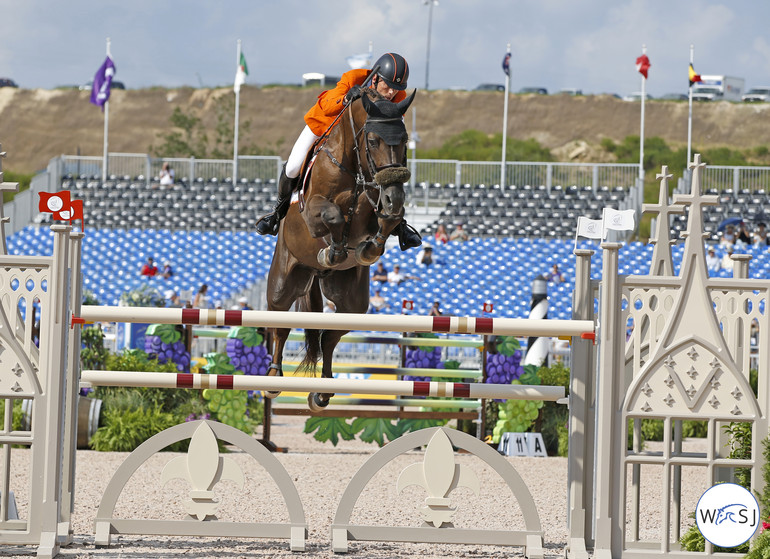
(36, 125)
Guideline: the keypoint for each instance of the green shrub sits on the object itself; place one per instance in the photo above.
(124, 430)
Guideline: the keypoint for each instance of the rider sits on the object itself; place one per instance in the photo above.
(390, 82)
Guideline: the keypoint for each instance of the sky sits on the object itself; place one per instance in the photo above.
(590, 45)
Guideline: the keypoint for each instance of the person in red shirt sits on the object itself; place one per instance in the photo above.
(149, 269)
(390, 82)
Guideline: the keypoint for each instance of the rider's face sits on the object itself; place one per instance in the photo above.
(385, 90)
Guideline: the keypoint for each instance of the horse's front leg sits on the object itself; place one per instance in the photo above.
(325, 217)
(329, 341)
(279, 337)
(369, 251)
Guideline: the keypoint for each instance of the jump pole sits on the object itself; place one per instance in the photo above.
(323, 385)
(340, 321)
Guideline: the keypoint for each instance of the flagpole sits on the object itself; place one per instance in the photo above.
(237, 107)
(689, 120)
(641, 134)
(505, 121)
(106, 126)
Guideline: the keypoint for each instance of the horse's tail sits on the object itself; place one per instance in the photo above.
(312, 339)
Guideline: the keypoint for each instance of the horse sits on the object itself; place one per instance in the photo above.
(351, 201)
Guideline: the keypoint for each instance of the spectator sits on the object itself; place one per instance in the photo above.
(555, 275)
(201, 300)
(149, 269)
(168, 271)
(744, 236)
(713, 263)
(380, 273)
(727, 261)
(435, 310)
(760, 235)
(166, 175)
(377, 303)
(396, 277)
(330, 307)
(425, 256)
(172, 299)
(728, 237)
(459, 234)
(242, 305)
(441, 236)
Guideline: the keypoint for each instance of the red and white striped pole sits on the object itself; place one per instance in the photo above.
(323, 385)
(340, 321)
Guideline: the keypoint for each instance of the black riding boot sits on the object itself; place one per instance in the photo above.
(408, 237)
(268, 224)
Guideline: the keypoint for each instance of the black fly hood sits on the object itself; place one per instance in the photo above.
(385, 119)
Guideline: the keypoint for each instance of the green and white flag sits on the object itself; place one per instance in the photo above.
(240, 74)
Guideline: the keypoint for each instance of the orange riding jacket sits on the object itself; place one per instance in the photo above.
(331, 102)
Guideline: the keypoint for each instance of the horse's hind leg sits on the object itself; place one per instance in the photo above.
(329, 341)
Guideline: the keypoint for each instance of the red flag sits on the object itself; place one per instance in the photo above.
(488, 307)
(642, 65)
(54, 202)
(407, 305)
(77, 213)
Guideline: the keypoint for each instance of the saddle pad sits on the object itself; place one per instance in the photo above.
(299, 195)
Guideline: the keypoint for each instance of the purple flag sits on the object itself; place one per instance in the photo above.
(100, 91)
(507, 64)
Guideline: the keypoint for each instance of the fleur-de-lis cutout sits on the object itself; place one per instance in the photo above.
(646, 390)
(17, 370)
(692, 373)
(736, 393)
(16, 387)
(669, 362)
(669, 400)
(691, 391)
(692, 354)
(714, 401)
(735, 411)
(715, 384)
(669, 381)
(646, 407)
(2, 348)
(714, 363)
(438, 475)
(202, 467)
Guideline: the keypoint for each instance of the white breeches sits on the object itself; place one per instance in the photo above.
(299, 152)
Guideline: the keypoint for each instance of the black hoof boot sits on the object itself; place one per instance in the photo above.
(408, 237)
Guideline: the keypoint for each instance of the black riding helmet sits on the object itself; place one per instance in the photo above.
(393, 70)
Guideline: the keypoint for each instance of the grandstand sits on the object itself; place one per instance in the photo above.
(204, 227)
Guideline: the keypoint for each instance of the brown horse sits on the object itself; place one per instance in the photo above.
(354, 198)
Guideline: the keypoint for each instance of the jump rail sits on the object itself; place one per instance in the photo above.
(324, 385)
(342, 321)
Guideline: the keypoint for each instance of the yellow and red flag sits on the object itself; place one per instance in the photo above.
(694, 78)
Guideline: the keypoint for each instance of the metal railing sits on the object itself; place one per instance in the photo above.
(724, 177)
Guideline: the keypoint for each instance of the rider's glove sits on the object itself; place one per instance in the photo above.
(353, 93)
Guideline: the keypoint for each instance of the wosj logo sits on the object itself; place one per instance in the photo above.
(727, 515)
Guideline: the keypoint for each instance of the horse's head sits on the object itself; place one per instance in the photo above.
(385, 141)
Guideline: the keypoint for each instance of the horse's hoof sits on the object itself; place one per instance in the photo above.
(328, 259)
(317, 402)
(361, 256)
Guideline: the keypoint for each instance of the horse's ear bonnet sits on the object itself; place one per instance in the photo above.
(385, 118)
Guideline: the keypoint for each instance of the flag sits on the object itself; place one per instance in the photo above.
(694, 78)
(406, 306)
(76, 207)
(54, 203)
(240, 74)
(642, 65)
(507, 64)
(487, 307)
(358, 61)
(589, 228)
(618, 220)
(100, 91)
